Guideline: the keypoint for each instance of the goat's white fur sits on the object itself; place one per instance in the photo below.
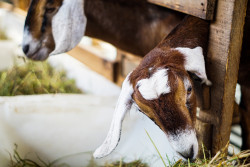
(195, 62)
(68, 32)
(123, 105)
(151, 88)
(184, 141)
(29, 40)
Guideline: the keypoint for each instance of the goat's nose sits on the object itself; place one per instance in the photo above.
(26, 49)
(189, 154)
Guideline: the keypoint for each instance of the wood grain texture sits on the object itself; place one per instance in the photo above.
(223, 58)
(200, 8)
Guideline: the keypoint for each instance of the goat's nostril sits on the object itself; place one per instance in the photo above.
(26, 49)
(188, 154)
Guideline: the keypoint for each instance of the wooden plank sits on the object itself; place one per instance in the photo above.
(223, 58)
(128, 62)
(200, 8)
(22, 4)
(104, 67)
(10, 7)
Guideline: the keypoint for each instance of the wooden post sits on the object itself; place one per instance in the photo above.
(224, 49)
(200, 8)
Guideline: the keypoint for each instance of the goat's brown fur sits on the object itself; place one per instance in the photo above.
(173, 105)
(145, 22)
(130, 22)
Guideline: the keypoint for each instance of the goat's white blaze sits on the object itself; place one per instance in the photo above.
(123, 105)
(68, 25)
(151, 88)
(28, 40)
(195, 62)
(184, 141)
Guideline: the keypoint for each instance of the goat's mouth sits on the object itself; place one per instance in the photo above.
(40, 54)
(192, 159)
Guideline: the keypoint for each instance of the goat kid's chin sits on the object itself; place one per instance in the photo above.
(185, 143)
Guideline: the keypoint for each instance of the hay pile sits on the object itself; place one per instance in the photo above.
(35, 78)
(3, 35)
(221, 159)
(18, 161)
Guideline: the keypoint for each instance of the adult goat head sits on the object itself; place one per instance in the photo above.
(53, 27)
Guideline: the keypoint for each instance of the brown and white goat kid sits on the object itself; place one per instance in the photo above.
(160, 87)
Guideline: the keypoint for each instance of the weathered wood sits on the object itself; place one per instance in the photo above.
(104, 67)
(200, 8)
(236, 114)
(128, 62)
(224, 48)
(206, 97)
(203, 128)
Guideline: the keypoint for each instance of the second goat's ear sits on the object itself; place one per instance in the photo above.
(122, 107)
(194, 62)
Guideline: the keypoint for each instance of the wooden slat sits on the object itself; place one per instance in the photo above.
(104, 67)
(128, 62)
(200, 8)
(22, 4)
(223, 58)
(10, 7)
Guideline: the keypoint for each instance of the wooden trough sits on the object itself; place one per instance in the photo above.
(224, 49)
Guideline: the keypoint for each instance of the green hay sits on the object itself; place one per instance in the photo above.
(219, 160)
(35, 78)
(17, 161)
(3, 35)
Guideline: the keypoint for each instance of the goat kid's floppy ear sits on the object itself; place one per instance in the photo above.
(194, 62)
(122, 107)
(68, 25)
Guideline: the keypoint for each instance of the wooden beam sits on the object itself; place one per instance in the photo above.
(12, 8)
(104, 67)
(127, 63)
(223, 58)
(200, 8)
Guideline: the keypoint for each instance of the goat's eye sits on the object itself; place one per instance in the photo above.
(50, 10)
(189, 90)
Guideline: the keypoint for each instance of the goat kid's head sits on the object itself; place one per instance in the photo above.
(162, 89)
(53, 27)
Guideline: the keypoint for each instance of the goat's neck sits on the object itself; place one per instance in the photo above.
(132, 25)
(191, 33)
